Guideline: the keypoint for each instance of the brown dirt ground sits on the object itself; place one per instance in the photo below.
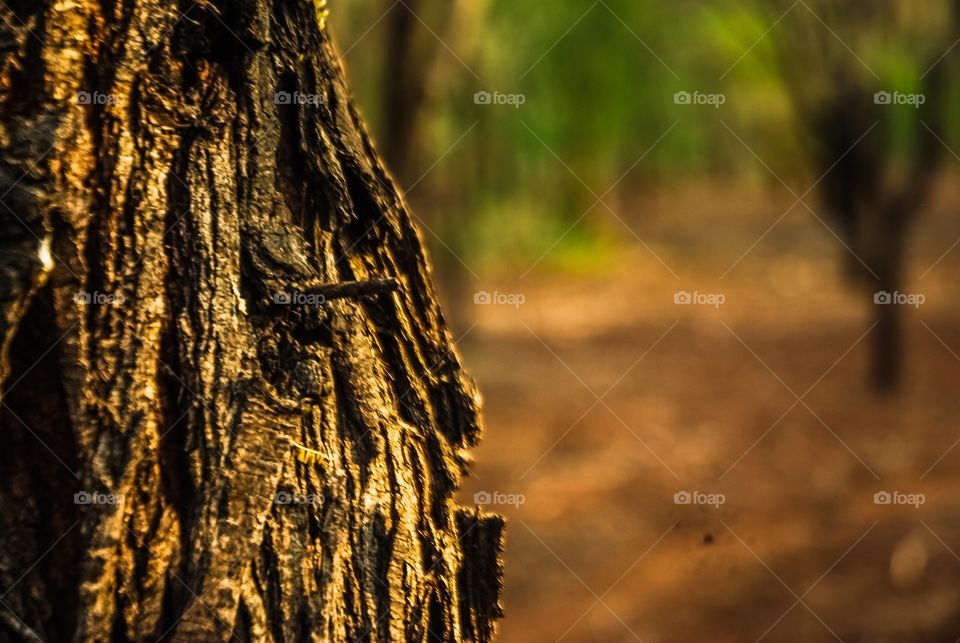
(799, 551)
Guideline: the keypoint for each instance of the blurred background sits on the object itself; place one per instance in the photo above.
(701, 258)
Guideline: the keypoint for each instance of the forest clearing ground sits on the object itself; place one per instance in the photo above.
(712, 407)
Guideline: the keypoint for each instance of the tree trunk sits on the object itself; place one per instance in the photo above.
(408, 64)
(202, 435)
(886, 365)
(883, 246)
(404, 82)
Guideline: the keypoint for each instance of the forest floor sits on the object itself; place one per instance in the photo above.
(604, 398)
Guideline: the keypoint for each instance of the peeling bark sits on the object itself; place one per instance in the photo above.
(217, 322)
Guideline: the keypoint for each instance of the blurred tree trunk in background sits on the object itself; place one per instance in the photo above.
(873, 214)
(409, 56)
(185, 454)
(872, 196)
(416, 82)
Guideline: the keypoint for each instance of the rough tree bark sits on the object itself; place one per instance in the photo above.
(256, 466)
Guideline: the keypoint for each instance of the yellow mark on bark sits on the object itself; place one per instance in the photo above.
(322, 12)
(307, 455)
(45, 255)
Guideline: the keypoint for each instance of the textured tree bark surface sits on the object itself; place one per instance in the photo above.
(252, 464)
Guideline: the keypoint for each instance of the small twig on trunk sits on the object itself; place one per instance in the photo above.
(347, 289)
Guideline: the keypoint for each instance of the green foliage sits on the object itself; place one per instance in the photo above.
(599, 81)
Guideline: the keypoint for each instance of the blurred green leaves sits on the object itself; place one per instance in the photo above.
(599, 79)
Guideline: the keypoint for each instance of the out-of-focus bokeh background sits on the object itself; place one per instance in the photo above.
(702, 259)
